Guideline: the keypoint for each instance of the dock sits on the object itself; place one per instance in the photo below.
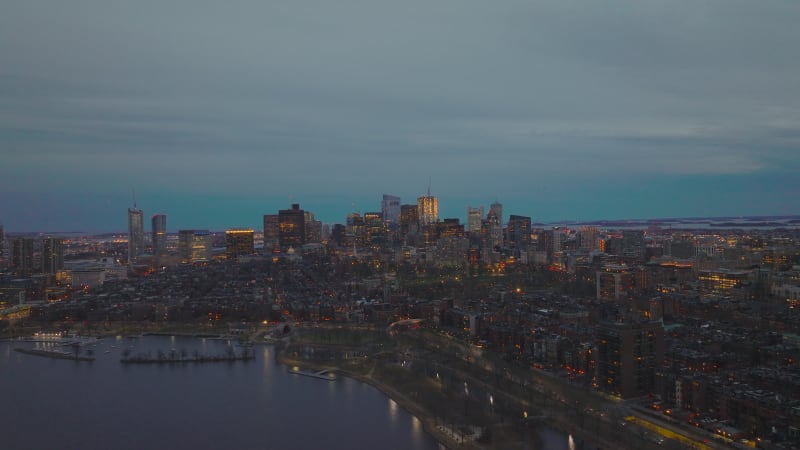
(55, 354)
(173, 358)
(322, 374)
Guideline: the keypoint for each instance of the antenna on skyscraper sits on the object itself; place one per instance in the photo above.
(429, 186)
(133, 192)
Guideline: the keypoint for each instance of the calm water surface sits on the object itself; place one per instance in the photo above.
(51, 403)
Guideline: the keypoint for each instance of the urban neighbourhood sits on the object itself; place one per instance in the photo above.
(692, 324)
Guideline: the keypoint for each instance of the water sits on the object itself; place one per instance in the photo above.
(51, 403)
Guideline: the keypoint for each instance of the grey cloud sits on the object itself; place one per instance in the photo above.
(698, 87)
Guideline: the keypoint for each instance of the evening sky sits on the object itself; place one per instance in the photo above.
(219, 112)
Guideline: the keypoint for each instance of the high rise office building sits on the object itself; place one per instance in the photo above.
(159, 223)
(52, 255)
(313, 228)
(633, 244)
(135, 233)
(427, 209)
(271, 232)
(291, 227)
(589, 238)
(474, 218)
(409, 219)
(494, 229)
(355, 229)
(390, 208)
(550, 241)
(519, 231)
(238, 242)
(3, 245)
(496, 208)
(374, 228)
(194, 246)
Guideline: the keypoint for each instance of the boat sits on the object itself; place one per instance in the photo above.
(321, 374)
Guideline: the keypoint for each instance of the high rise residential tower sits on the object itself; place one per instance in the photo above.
(22, 256)
(52, 255)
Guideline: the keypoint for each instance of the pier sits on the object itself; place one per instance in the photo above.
(55, 354)
(322, 374)
(182, 358)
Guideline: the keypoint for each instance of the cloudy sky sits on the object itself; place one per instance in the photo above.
(219, 112)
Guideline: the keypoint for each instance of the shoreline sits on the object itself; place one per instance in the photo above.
(425, 418)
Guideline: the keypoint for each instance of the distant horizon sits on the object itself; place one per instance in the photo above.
(565, 222)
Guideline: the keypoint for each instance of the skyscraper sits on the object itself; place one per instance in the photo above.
(135, 233)
(159, 222)
(374, 228)
(194, 245)
(238, 242)
(390, 208)
(494, 228)
(519, 231)
(2, 248)
(496, 208)
(474, 217)
(52, 255)
(588, 238)
(428, 209)
(291, 227)
(22, 256)
(313, 228)
(409, 220)
(271, 232)
(355, 229)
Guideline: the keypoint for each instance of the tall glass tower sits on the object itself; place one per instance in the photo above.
(390, 208)
(159, 222)
(428, 209)
(135, 233)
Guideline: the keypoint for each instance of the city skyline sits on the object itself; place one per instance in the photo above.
(561, 111)
(219, 220)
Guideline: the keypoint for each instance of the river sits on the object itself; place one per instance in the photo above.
(104, 404)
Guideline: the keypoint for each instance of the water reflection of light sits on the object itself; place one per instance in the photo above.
(416, 425)
(571, 442)
(393, 410)
(266, 362)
